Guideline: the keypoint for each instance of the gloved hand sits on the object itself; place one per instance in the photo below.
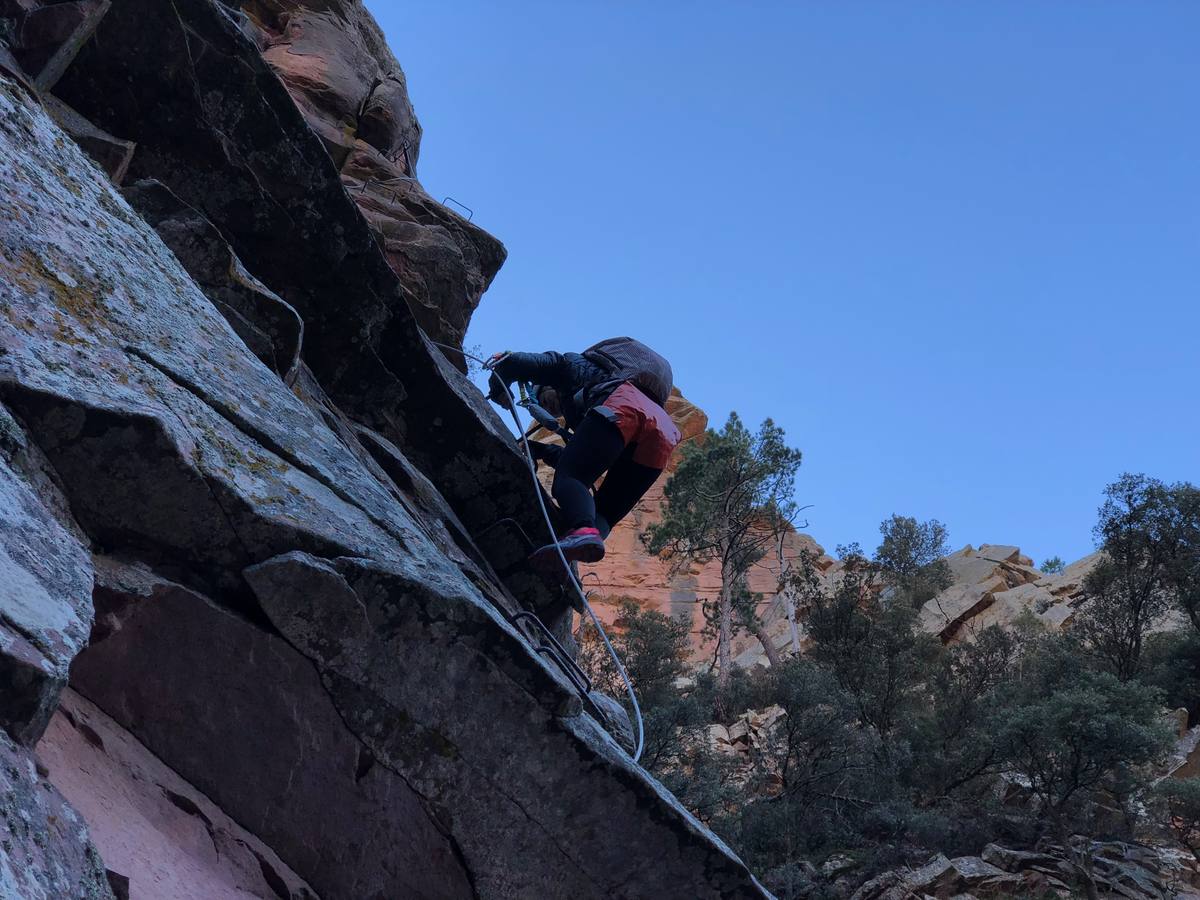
(498, 384)
(498, 391)
(495, 359)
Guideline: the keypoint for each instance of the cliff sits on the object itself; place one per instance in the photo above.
(259, 630)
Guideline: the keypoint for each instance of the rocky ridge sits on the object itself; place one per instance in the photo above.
(256, 613)
(1119, 870)
(993, 584)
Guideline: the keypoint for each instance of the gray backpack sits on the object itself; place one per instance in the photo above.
(625, 359)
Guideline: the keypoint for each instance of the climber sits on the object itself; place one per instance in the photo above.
(611, 396)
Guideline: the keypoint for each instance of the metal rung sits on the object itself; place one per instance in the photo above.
(512, 523)
(470, 212)
(557, 654)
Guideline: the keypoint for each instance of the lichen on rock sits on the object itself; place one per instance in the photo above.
(299, 605)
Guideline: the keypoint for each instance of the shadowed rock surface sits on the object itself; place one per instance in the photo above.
(152, 827)
(240, 152)
(298, 780)
(293, 612)
(264, 321)
(336, 65)
(45, 586)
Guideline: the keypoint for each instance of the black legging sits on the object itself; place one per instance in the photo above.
(596, 448)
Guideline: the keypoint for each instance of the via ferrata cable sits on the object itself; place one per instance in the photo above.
(540, 494)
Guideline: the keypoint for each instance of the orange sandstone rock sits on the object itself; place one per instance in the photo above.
(335, 62)
(630, 571)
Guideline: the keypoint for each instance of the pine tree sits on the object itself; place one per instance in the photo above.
(726, 502)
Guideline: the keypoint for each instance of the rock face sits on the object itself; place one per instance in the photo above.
(45, 853)
(151, 827)
(45, 586)
(242, 474)
(266, 323)
(300, 780)
(39, 40)
(335, 63)
(995, 585)
(241, 154)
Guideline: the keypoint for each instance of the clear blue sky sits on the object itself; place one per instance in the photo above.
(951, 247)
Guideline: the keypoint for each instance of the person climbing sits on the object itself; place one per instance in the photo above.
(611, 396)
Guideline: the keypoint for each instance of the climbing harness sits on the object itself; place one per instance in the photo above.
(529, 404)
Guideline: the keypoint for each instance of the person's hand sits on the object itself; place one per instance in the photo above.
(498, 391)
(495, 359)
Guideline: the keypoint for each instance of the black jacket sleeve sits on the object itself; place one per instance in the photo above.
(538, 368)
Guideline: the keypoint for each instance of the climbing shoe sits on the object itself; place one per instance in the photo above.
(579, 545)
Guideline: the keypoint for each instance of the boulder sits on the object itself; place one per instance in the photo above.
(888, 884)
(968, 567)
(982, 878)
(1184, 759)
(936, 875)
(951, 610)
(1177, 719)
(837, 864)
(997, 585)
(1010, 605)
(1014, 860)
(1058, 616)
(718, 739)
(963, 876)
(1001, 553)
(1067, 584)
(739, 731)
